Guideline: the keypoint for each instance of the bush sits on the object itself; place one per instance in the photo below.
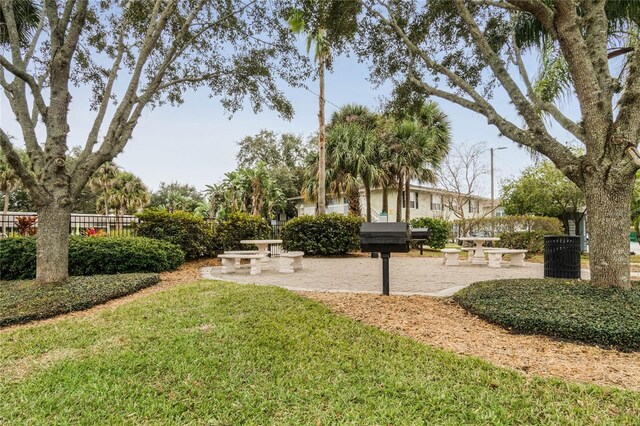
(190, 232)
(567, 309)
(531, 241)
(503, 224)
(440, 231)
(241, 226)
(92, 256)
(326, 234)
(22, 301)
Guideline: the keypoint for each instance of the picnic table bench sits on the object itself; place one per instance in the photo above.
(231, 261)
(291, 261)
(495, 256)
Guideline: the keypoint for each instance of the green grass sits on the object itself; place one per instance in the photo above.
(220, 353)
(569, 309)
(23, 301)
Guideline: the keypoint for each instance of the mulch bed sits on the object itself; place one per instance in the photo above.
(444, 324)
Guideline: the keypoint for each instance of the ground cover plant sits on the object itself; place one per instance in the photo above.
(221, 353)
(568, 309)
(22, 301)
(92, 256)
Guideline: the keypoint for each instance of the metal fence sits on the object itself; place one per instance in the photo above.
(80, 224)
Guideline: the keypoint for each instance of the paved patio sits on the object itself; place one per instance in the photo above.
(408, 275)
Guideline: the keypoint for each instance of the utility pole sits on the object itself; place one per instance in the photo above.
(493, 211)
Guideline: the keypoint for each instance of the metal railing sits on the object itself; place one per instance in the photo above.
(79, 224)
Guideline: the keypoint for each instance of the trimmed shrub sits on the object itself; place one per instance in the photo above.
(92, 256)
(241, 226)
(440, 231)
(531, 241)
(327, 234)
(504, 224)
(23, 301)
(190, 232)
(568, 309)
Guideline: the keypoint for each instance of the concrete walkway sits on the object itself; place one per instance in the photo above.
(408, 275)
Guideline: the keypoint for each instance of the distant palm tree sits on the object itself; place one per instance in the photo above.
(322, 56)
(354, 154)
(101, 183)
(420, 144)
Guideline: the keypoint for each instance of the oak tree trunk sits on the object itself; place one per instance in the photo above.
(52, 243)
(322, 208)
(367, 196)
(399, 199)
(608, 216)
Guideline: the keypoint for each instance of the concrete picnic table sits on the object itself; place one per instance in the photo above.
(262, 248)
(478, 254)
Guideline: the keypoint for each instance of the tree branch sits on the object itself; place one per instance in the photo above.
(549, 107)
(31, 82)
(35, 189)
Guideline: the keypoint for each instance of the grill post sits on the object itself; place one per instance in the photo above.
(385, 273)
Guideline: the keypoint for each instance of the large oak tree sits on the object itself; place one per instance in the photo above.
(133, 56)
(464, 51)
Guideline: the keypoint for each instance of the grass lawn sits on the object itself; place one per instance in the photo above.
(221, 353)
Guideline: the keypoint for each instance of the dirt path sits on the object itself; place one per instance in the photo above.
(442, 323)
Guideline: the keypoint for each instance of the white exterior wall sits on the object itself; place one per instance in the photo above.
(424, 206)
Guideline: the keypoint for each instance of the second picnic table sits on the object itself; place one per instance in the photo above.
(478, 254)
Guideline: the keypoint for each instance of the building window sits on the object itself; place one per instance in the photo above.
(474, 206)
(436, 202)
(413, 200)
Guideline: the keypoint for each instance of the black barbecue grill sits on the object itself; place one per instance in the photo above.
(420, 235)
(385, 238)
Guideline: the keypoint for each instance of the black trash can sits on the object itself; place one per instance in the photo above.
(562, 256)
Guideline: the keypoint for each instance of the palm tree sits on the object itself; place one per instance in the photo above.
(102, 182)
(354, 154)
(553, 78)
(322, 56)
(421, 143)
(27, 16)
(9, 182)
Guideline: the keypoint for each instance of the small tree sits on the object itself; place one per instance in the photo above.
(461, 174)
(544, 191)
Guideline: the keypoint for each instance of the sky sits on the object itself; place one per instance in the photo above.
(196, 143)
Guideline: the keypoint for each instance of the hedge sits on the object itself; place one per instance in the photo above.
(440, 231)
(190, 232)
(531, 241)
(92, 256)
(241, 226)
(504, 224)
(327, 234)
(567, 309)
(23, 301)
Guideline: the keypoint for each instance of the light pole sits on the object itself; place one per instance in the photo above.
(493, 211)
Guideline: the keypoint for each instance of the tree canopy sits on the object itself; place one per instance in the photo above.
(467, 51)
